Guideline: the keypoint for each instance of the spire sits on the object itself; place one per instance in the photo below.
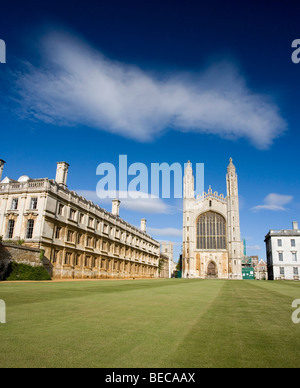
(2, 163)
(231, 179)
(231, 167)
(188, 169)
(188, 182)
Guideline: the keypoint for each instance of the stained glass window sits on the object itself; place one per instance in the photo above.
(211, 231)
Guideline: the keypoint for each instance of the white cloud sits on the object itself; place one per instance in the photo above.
(254, 247)
(170, 232)
(135, 201)
(78, 85)
(274, 202)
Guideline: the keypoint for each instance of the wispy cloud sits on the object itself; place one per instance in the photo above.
(169, 232)
(254, 247)
(274, 202)
(78, 85)
(138, 202)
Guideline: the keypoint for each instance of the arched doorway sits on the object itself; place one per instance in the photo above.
(212, 270)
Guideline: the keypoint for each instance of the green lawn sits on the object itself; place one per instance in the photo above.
(150, 323)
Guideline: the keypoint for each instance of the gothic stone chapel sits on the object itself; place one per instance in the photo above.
(212, 246)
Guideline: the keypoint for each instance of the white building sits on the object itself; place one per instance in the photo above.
(212, 246)
(283, 253)
(80, 239)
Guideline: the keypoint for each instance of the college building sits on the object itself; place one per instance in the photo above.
(212, 246)
(167, 254)
(283, 253)
(79, 238)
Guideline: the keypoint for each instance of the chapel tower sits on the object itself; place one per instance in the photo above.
(188, 201)
(233, 220)
(212, 246)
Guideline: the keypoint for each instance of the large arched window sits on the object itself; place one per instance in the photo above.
(211, 231)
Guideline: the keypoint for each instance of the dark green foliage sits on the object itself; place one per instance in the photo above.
(18, 271)
(42, 254)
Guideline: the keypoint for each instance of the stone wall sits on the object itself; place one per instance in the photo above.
(18, 254)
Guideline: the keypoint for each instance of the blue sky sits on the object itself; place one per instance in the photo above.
(159, 81)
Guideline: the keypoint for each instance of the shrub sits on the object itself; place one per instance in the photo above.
(18, 271)
(42, 254)
(15, 242)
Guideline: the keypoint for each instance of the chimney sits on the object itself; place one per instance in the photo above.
(143, 225)
(295, 225)
(2, 163)
(62, 174)
(116, 207)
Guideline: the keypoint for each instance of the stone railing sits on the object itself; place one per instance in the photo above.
(24, 186)
(213, 195)
(292, 232)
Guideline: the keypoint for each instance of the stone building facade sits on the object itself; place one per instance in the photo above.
(261, 270)
(164, 266)
(80, 239)
(283, 253)
(212, 246)
(167, 250)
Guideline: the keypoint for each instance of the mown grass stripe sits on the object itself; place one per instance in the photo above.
(156, 323)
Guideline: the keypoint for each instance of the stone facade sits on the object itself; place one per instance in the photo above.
(80, 239)
(164, 266)
(212, 246)
(283, 253)
(261, 271)
(167, 250)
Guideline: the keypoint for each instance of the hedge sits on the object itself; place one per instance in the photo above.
(18, 271)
